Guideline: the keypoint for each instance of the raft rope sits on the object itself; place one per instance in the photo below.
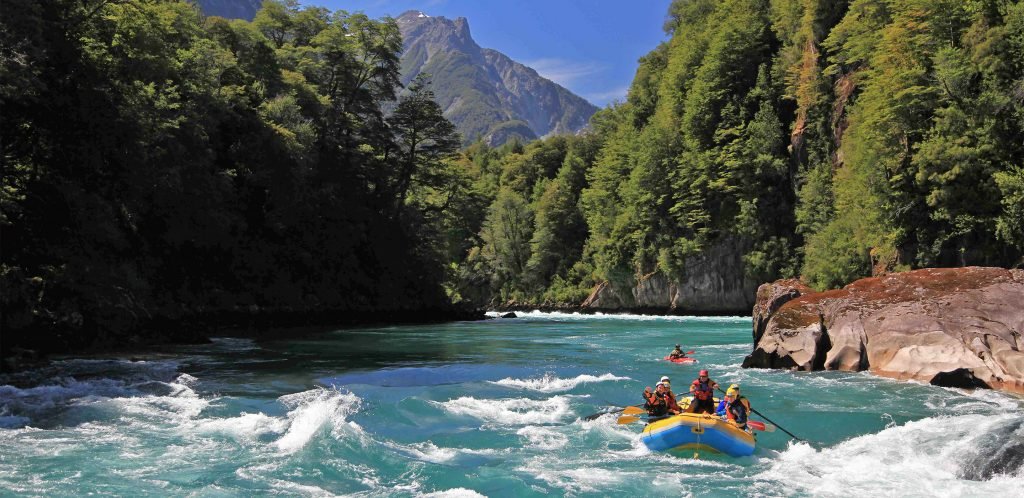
(700, 430)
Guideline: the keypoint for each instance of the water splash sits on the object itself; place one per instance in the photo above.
(550, 383)
(514, 411)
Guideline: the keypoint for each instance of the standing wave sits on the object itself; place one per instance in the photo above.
(549, 383)
(964, 455)
(515, 411)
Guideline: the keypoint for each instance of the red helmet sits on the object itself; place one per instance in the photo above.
(703, 372)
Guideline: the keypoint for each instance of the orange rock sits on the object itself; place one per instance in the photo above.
(948, 326)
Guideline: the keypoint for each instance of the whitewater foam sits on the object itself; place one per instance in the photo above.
(453, 493)
(549, 383)
(558, 315)
(936, 452)
(311, 411)
(143, 388)
(544, 438)
(427, 451)
(245, 427)
(514, 411)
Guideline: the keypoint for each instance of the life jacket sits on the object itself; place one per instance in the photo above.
(702, 391)
(738, 410)
(670, 401)
(656, 405)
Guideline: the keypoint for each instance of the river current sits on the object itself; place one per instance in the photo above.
(489, 408)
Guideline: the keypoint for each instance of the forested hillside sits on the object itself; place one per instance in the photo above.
(165, 171)
(814, 138)
(162, 171)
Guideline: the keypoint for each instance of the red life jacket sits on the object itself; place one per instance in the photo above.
(670, 400)
(656, 405)
(702, 391)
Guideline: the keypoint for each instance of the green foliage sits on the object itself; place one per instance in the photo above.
(1010, 224)
(158, 166)
(829, 140)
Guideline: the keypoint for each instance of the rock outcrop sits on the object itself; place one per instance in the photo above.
(958, 327)
(714, 283)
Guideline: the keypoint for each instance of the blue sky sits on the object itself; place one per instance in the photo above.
(588, 46)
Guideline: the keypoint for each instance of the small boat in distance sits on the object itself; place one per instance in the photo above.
(685, 359)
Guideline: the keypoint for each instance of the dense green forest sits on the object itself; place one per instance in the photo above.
(832, 139)
(161, 169)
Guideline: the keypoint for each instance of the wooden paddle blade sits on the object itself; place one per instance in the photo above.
(627, 419)
(634, 410)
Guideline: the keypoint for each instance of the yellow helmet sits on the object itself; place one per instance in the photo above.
(733, 390)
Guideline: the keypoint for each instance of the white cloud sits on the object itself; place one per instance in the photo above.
(564, 72)
(606, 97)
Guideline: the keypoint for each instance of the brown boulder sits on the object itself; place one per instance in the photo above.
(948, 326)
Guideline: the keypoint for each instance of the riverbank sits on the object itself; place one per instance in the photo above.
(586, 310)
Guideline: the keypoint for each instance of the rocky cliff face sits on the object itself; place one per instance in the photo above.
(484, 92)
(714, 282)
(957, 327)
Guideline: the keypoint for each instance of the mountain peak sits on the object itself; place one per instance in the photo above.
(482, 91)
(412, 15)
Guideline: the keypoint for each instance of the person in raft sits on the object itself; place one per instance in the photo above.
(668, 383)
(660, 402)
(703, 390)
(722, 405)
(677, 353)
(737, 408)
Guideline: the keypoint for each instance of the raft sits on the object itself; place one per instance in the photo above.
(690, 431)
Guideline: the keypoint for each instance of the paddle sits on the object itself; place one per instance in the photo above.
(629, 419)
(794, 436)
(627, 409)
(760, 426)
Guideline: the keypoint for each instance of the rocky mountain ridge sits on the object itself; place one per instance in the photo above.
(485, 93)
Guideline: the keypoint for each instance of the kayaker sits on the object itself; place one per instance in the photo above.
(738, 407)
(677, 353)
(703, 390)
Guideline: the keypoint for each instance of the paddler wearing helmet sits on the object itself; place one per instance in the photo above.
(737, 407)
(703, 390)
(661, 402)
(677, 353)
(670, 397)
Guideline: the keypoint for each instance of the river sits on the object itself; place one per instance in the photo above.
(492, 408)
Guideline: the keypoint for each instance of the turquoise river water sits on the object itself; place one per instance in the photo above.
(489, 408)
